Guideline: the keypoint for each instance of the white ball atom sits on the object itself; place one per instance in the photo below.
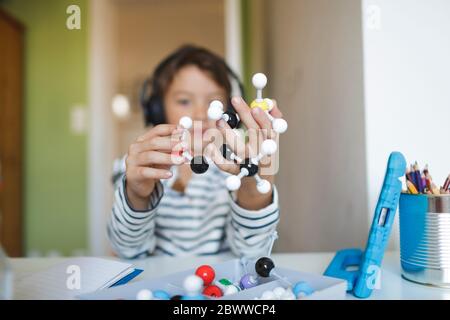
(230, 289)
(269, 147)
(288, 295)
(279, 125)
(270, 103)
(215, 110)
(186, 122)
(216, 104)
(263, 186)
(259, 80)
(268, 295)
(193, 285)
(144, 294)
(279, 291)
(233, 183)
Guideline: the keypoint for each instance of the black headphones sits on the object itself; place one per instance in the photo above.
(152, 104)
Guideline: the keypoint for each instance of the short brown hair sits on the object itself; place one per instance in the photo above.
(186, 55)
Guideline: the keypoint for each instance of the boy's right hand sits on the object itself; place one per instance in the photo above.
(149, 159)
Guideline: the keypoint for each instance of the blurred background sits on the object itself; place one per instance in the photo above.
(356, 79)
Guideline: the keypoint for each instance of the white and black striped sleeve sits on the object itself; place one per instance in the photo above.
(132, 232)
(249, 232)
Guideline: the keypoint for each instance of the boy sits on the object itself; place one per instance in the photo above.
(160, 206)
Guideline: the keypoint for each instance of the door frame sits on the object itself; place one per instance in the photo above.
(102, 85)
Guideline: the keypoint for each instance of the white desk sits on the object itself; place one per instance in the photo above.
(393, 286)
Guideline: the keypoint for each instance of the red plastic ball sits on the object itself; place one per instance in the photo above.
(206, 273)
(213, 291)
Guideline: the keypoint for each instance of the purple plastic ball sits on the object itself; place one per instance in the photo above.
(248, 281)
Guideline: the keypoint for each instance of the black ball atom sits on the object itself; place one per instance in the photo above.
(233, 119)
(252, 168)
(264, 266)
(199, 165)
(176, 297)
(226, 151)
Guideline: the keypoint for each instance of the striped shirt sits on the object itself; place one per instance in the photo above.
(205, 219)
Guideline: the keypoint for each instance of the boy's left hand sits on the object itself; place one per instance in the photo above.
(259, 128)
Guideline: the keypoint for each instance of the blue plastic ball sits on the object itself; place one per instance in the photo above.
(161, 295)
(302, 288)
(196, 297)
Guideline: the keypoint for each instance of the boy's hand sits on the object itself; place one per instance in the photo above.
(149, 159)
(259, 128)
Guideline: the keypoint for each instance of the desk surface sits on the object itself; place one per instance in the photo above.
(393, 286)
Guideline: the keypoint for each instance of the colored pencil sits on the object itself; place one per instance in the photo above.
(411, 188)
(446, 185)
(419, 185)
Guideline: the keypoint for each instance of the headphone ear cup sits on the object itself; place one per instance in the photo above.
(154, 111)
(146, 102)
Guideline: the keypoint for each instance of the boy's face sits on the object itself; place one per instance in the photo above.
(190, 94)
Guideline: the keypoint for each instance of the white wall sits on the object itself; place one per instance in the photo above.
(315, 73)
(407, 87)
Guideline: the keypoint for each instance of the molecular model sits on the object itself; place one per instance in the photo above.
(215, 112)
(250, 167)
(199, 164)
(265, 268)
(228, 154)
(202, 285)
(259, 81)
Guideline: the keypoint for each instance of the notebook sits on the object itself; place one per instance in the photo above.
(73, 277)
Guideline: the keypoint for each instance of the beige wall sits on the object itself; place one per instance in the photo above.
(314, 63)
(148, 31)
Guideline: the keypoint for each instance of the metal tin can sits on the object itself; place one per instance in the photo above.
(425, 238)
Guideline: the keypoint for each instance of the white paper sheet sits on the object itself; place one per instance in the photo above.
(71, 278)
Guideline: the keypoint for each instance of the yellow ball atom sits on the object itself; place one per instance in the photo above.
(260, 104)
